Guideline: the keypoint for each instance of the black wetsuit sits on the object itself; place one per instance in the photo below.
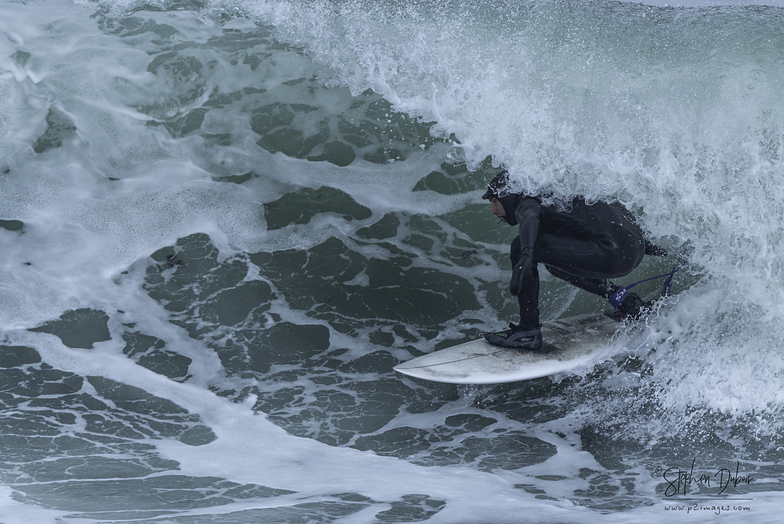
(584, 244)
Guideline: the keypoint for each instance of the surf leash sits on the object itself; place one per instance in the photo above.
(617, 298)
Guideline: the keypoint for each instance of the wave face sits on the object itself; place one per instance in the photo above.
(224, 222)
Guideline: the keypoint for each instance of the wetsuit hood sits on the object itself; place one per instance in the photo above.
(509, 202)
(499, 188)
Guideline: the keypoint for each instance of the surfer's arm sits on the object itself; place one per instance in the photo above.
(527, 214)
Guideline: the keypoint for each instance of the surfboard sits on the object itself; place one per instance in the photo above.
(568, 343)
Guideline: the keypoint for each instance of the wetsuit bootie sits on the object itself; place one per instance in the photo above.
(632, 307)
(517, 337)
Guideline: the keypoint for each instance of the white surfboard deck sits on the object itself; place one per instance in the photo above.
(568, 343)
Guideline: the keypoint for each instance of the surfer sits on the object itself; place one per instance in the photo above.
(583, 244)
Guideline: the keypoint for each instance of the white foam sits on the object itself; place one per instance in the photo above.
(271, 457)
(700, 173)
(83, 229)
(15, 512)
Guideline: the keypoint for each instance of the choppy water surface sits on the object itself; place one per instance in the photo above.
(223, 223)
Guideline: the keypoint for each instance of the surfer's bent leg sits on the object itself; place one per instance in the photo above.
(607, 245)
(614, 248)
(527, 335)
(602, 287)
(528, 297)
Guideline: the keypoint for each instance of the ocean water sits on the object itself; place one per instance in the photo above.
(222, 223)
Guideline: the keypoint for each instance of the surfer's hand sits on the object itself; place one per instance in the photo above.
(520, 270)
